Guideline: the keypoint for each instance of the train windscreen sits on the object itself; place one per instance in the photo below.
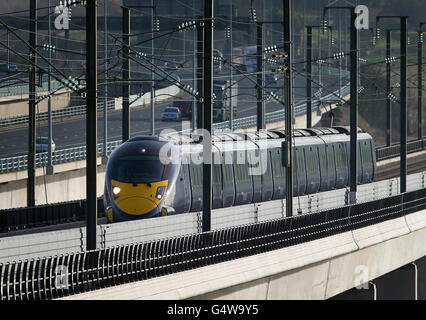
(138, 169)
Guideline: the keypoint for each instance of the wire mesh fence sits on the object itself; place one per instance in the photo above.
(58, 276)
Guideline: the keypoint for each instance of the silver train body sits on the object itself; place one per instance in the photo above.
(248, 167)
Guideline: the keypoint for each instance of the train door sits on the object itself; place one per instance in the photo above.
(196, 178)
(217, 181)
(367, 161)
(312, 169)
(182, 198)
(341, 165)
(278, 174)
(228, 181)
(256, 170)
(243, 181)
(331, 163)
(299, 177)
(267, 183)
(323, 165)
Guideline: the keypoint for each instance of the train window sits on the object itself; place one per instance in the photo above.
(138, 169)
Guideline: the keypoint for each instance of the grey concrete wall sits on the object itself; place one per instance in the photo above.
(18, 105)
(67, 183)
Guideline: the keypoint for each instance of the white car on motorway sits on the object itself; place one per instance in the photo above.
(171, 114)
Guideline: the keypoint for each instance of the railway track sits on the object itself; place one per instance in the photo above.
(391, 170)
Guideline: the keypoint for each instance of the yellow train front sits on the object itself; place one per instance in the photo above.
(138, 176)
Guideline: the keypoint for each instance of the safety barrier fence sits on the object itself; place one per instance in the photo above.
(19, 245)
(58, 276)
(49, 214)
(22, 89)
(56, 114)
(383, 153)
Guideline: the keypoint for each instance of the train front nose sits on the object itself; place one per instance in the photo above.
(138, 199)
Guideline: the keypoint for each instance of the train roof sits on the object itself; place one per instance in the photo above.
(192, 138)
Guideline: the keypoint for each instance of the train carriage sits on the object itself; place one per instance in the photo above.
(143, 182)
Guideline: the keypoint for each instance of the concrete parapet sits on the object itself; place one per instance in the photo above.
(67, 183)
(318, 269)
(12, 106)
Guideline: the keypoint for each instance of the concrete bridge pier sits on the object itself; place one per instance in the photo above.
(401, 284)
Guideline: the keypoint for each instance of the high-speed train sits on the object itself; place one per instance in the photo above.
(150, 176)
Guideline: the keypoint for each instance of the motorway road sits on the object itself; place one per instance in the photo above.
(71, 132)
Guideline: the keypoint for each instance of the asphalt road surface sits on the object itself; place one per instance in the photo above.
(71, 132)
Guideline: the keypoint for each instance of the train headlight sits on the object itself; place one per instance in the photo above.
(116, 191)
(160, 192)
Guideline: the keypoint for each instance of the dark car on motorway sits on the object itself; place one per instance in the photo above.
(12, 68)
(185, 108)
(42, 144)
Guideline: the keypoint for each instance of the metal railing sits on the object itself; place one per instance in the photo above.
(56, 114)
(44, 215)
(58, 276)
(69, 236)
(22, 89)
(383, 153)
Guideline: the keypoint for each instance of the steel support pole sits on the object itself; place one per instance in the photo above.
(194, 73)
(403, 116)
(126, 75)
(208, 113)
(260, 79)
(289, 106)
(200, 39)
(32, 106)
(91, 124)
(152, 72)
(8, 50)
(231, 70)
(309, 77)
(353, 109)
(105, 110)
(49, 101)
(388, 90)
(340, 50)
(419, 85)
